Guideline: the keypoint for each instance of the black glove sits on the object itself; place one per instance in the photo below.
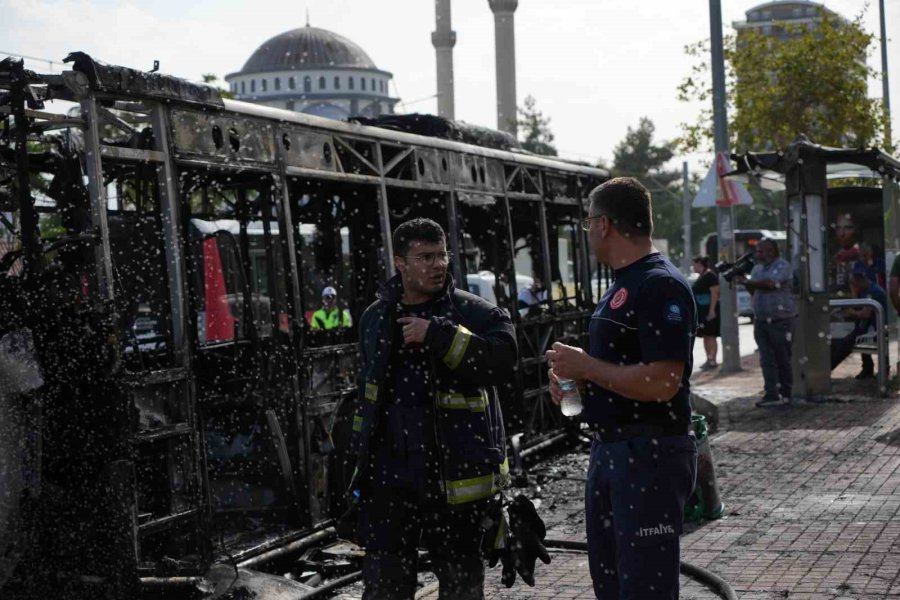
(516, 547)
(527, 532)
(495, 543)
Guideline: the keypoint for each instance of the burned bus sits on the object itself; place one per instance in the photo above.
(161, 251)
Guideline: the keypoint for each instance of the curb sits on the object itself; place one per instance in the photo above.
(700, 405)
(723, 406)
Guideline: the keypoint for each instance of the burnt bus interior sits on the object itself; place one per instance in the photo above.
(166, 249)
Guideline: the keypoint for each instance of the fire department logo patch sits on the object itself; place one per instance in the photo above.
(618, 299)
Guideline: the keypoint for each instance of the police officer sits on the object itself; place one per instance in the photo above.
(635, 377)
(330, 316)
(429, 437)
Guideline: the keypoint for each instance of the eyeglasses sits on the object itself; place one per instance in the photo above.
(586, 222)
(428, 258)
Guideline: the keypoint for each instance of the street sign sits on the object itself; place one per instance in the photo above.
(717, 191)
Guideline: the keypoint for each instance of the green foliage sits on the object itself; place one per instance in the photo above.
(637, 155)
(811, 80)
(212, 79)
(51, 227)
(697, 87)
(534, 128)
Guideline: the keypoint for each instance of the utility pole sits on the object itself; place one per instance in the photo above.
(686, 219)
(731, 353)
(885, 93)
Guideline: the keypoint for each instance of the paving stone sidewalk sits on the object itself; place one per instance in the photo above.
(812, 495)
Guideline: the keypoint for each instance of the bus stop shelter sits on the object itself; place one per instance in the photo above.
(840, 203)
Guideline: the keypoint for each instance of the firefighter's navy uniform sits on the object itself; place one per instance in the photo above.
(643, 461)
(429, 437)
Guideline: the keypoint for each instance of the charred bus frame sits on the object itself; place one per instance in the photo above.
(175, 199)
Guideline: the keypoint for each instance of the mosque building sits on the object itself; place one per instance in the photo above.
(314, 71)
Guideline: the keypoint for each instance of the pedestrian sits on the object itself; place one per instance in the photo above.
(636, 381)
(894, 284)
(864, 322)
(429, 437)
(330, 316)
(871, 261)
(848, 253)
(706, 296)
(534, 294)
(774, 315)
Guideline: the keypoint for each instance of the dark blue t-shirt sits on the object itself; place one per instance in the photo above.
(648, 315)
(875, 293)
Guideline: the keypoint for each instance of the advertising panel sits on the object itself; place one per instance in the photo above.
(854, 238)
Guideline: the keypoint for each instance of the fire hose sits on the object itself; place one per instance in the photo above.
(704, 576)
(717, 584)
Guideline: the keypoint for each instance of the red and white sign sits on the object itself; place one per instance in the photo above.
(718, 191)
(618, 299)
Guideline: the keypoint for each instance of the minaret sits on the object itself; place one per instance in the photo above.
(443, 39)
(505, 42)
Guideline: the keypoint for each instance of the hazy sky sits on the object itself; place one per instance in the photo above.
(594, 66)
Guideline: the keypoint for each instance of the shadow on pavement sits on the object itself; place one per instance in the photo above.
(732, 399)
(831, 414)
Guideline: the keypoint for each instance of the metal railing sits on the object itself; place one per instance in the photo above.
(881, 344)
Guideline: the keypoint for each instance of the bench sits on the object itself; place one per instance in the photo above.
(874, 342)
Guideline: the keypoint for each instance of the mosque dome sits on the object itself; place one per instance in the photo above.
(307, 48)
(315, 71)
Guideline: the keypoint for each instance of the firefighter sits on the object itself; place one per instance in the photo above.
(636, 375)
(330, 316)
(428, 435)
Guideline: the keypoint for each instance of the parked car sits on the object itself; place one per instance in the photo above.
(483, 284)
(744, 302)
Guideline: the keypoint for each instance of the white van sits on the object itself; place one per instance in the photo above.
(482, 284)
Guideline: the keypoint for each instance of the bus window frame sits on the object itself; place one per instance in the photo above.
(499, 205)
(543, 259)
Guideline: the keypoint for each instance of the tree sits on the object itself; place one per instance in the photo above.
(812, 80)
(535, 129)
(212, 79)
(637, 155)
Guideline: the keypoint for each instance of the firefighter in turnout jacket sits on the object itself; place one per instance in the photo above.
(428, 432)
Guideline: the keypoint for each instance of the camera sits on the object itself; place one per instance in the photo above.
(741, 266)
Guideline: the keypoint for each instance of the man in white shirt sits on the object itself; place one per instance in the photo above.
(534, 294)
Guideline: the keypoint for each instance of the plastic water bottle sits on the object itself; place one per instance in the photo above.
(571, 399)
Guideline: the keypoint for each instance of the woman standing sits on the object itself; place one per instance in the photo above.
(706, 295)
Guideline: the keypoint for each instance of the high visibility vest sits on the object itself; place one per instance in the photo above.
(330, 320)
